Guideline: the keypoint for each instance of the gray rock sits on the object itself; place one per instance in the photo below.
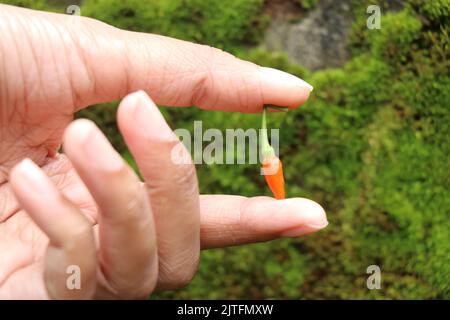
(319, 40)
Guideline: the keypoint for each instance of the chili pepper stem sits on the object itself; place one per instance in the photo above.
(266, 149)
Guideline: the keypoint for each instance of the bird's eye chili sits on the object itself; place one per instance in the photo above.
(271, 165)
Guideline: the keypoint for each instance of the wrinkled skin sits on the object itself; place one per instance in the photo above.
(53, 65)
(32, 120)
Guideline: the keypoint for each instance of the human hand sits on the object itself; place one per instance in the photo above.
(86, 207)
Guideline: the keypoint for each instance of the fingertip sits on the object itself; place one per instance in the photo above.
(20, 169)
(300, 99)
(131, 101)
(77, 131)
(313, 209)
(290, 217)
(275, 76)
(31, 186)
(311, 217)
(283, 89)
(232, 220)
(26, 171)
(138, 116)
(310, 211)
(126, 108)
(16, 169)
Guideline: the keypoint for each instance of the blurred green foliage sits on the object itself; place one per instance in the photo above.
(223, 24)
(307, 4)
(32, 4)
(372, 146)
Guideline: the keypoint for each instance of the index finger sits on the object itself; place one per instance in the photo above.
(103, 63)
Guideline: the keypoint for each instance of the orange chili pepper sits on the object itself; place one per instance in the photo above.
(274, 181)
(272, 168)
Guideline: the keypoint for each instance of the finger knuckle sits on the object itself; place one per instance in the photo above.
(175, 273)
(185, 177)
(204, 80)
(178, 276)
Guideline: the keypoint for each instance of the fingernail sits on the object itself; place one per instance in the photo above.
(304, 230)
(147, 116)
(313, 218)
(96, 147)
(278, 76)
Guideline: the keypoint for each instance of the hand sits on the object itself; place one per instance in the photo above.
(87, 208)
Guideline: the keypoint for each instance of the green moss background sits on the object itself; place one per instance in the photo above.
(372, 146)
